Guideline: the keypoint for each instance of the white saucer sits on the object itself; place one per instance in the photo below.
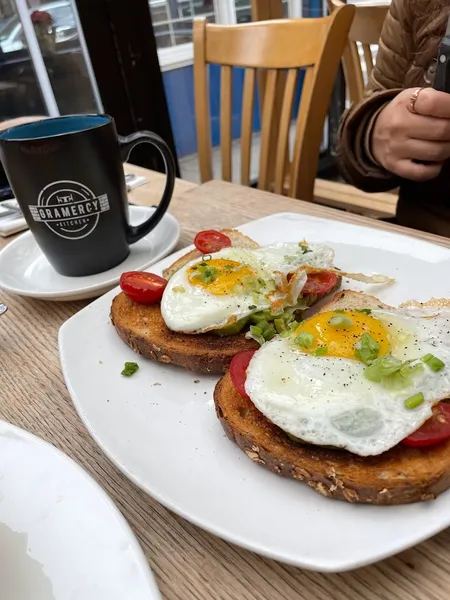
(24, 270)
(61, 537)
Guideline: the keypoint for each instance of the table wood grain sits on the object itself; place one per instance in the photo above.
(190, 564)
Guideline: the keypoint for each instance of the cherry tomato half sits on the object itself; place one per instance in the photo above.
(238, 370)
(433, 431)
(320, 283)
(145, 288)
(211, 241)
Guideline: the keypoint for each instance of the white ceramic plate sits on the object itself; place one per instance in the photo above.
(61, 537)
(160, 429)
(24, 270)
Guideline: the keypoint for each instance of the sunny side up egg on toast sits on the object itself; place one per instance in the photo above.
(353, 402)
(230, 297)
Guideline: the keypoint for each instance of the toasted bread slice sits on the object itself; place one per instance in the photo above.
(238, 240)
(144, 330)
(142, 327)
(400, 476)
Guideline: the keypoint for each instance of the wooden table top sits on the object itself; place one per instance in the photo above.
(189, 563)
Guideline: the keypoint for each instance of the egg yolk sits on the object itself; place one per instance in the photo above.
(221, 276)
(341, 342)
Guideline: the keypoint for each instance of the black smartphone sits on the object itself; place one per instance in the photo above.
(442, 76)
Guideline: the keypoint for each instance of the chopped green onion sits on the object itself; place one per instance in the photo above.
(263, 315)
(288, 314)
(414, 401)
(304, 248)
(252, 307)
(382, 367)
(130, 369)
(304, 339)
(263, 324)
(280, 325)
(339, 311)
(269, 332)
(256, 333)
(392, 373)
(340, 322)
(433, 362)
(290, 329)
(289, 259)
(402, 379)
(409, 368)
(228, 267)
(255, 330)
(321, 351)
(367, 349)
(365, 311)
(210, 274)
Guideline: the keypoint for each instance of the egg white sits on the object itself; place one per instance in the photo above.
(196, 310)
(287, 257)
(328, 402)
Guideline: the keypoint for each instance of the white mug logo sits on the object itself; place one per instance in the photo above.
(69, 209)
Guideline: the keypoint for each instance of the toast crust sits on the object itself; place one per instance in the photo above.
(400, 476)
(142, 327)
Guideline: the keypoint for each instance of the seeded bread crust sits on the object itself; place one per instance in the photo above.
(400, 476)
(142, 328)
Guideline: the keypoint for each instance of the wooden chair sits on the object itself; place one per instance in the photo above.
(277, 46)
(365, 29)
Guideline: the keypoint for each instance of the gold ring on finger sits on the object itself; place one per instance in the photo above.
(413, 100)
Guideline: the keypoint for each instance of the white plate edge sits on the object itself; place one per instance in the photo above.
(136, 547)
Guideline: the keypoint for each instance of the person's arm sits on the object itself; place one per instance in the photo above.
(357, 163)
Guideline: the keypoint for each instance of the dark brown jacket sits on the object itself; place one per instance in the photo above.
(406, 58)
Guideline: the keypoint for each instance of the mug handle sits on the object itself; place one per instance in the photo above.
(135, 233)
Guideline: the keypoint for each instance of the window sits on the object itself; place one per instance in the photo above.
(172, 19)
(172, 23)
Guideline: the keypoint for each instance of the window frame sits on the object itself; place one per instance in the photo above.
(182, 55)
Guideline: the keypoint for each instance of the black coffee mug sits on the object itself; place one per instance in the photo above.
(67, 175)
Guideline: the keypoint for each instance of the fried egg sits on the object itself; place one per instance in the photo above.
(232, 284)
(320, 393)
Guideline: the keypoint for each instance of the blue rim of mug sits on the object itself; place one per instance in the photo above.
(103, 119)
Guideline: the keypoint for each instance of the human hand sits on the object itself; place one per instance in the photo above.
(413, 141)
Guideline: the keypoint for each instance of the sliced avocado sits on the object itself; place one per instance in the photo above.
(299, 441)
(232, 329)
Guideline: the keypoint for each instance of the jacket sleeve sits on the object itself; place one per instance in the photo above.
(387, 80)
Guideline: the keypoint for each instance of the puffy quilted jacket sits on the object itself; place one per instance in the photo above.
(406, 59)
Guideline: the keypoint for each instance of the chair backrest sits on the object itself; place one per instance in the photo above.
(366, 29)
(280, 47)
